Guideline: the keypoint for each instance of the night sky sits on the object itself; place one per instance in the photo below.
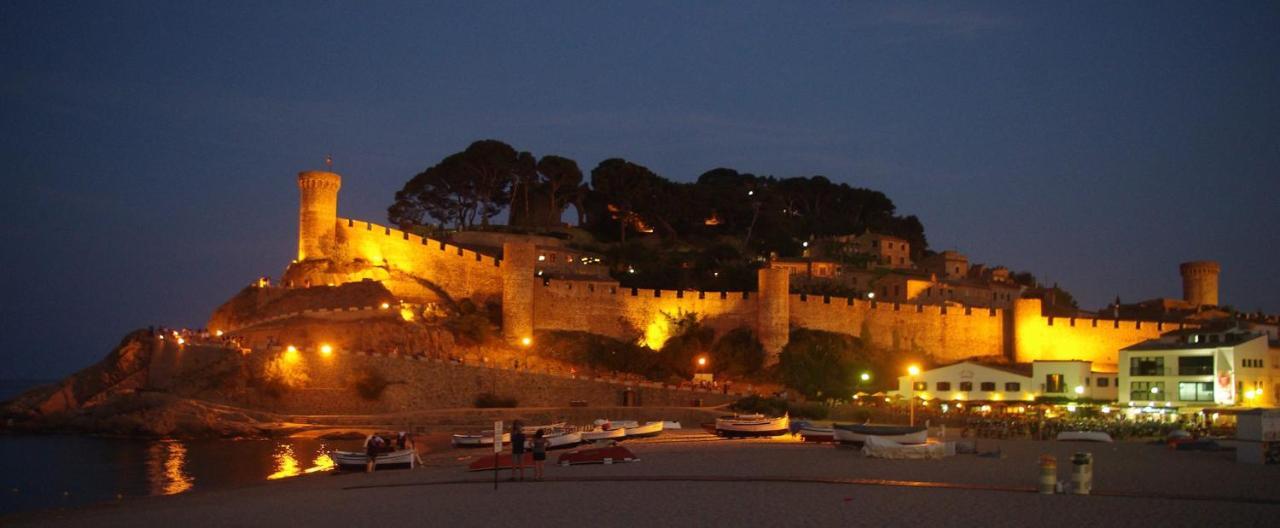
(149, 150)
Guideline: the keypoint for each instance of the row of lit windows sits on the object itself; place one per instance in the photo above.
(1190, 391)
(967, 386)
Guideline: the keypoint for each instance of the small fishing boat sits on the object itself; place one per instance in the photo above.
(1084, 436)
(644, 430)
(603, 433)
(615, 424)
(501, 461)
(597, 455)
(817, 434)
(402, 458)
(858, 433)
(557, 439)
(533, 429)
(670, 425)
(478, 439)
(744, 425)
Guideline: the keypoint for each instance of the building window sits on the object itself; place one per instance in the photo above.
(1146, 366)
(1195, 365)
(920, 386)
(988, 385)
(1053, 383)
(1012, 386)
(1195, 391)
(944, 385)
(1146, 390)
(966, 386)
(1103, 382)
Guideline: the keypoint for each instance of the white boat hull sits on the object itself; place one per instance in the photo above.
(648, 429)
(752, 426)
(605, 434)
(1084, 436)
(478, 440)
(356, 459)
(557, 440)
(850, 437)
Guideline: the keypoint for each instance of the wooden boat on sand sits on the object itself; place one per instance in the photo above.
(645, 430)
(858, 433)
(1084, 436)
(402, 458)
(597, 455)
(749, 425)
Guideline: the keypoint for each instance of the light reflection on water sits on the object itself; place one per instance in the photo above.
(286, 463)
(166, 468)
(57, 471)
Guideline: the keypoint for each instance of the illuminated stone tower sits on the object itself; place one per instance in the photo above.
(317, 213)
(1200, 282)
(773, 311)
(517, 290)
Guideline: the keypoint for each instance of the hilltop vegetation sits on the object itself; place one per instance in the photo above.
(709, 234)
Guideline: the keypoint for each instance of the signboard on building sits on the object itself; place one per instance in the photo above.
(1224, 386)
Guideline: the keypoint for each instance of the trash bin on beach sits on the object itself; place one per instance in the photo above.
(1081, 473)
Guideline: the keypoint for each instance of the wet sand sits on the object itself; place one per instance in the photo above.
(690, 478)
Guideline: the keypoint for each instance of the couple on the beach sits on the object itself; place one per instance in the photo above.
(538, 445)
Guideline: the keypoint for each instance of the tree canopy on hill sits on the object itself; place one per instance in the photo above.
(707, 234)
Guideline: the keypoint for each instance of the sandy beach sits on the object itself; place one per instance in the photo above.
(691, 478)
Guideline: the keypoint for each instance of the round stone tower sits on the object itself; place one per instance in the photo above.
(317, 213)
(1200, 282)
(773, 311)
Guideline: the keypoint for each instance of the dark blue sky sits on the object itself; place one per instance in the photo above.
(149, 150)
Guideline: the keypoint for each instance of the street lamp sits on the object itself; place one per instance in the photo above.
(866, 376)
(912, 372)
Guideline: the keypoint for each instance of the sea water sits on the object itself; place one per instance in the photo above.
(59, 471)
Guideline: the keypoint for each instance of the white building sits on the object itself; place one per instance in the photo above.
(970, 381)
(1195, 368)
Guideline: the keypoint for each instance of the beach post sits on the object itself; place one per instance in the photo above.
(1082, 473)
(497, 450)
(1048, 474)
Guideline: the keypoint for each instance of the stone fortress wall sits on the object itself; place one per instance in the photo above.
(461, 272)
(532, 304)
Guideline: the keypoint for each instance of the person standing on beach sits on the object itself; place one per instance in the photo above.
(372, 446)
(517, 449)
(540, 443)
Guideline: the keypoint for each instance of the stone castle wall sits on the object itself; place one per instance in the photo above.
(627, 313)
(948, 333)
(416, 383)
(461, 272)
(1060, 338)
(913, 330)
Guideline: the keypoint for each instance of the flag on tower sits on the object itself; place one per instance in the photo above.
(328, 161)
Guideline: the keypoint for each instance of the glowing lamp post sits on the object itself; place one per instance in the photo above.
(912, 372)
(326, 350)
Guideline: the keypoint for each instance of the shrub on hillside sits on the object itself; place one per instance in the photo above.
(489, 400)
(470, 325)
(281, 374)
(738, 353)
(822, 365)
(369, 383)
(597, 352)
(688, 339)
